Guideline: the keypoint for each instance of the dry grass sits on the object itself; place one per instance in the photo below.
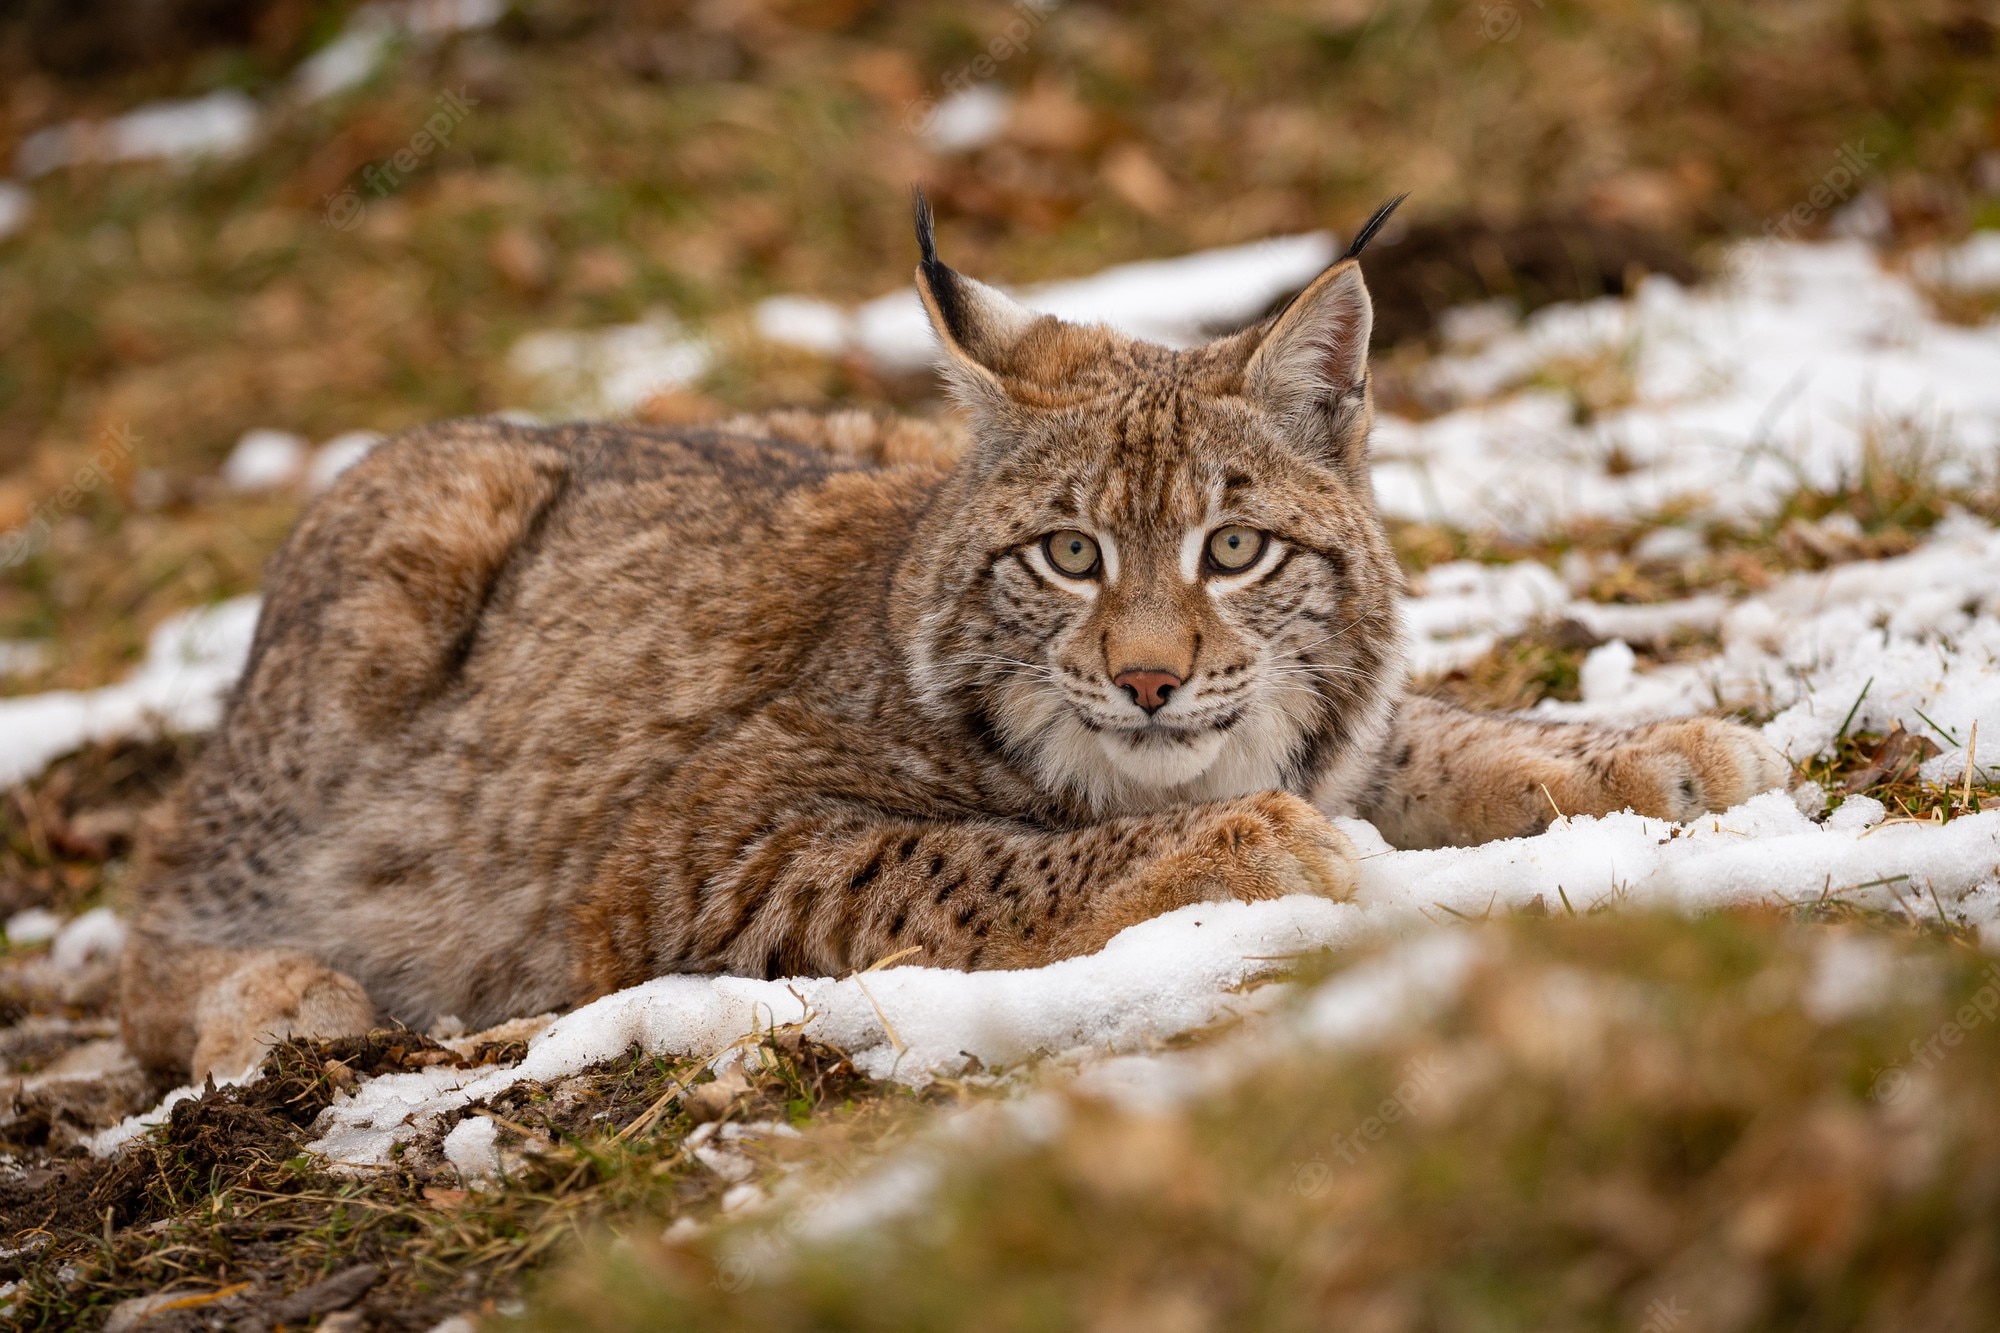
(223, 1202)
(1623, 1119)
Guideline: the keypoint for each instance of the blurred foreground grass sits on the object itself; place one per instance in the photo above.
(1620, 1122)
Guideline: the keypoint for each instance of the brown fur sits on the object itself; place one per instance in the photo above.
(533, 714)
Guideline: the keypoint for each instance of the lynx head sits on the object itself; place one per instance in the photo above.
(1157, 576)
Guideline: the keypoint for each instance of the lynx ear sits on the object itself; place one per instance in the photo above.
(979, 326)
(1312, 363)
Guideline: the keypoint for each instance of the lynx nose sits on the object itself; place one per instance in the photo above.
(1147, 686)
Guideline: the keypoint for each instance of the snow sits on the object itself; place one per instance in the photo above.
(337, 455)
(801, 321)
(1178, 302)
(349, 60)
(969, 118)
(1913, 639)
(1973, 264)
(222, 124)
(610, 371)
(18, 657)
(191, 660)
(472, 1146)
(1742, 392)
(95, 936)
(353, 56)
(35, 925)
(265, 460)
(15, 205)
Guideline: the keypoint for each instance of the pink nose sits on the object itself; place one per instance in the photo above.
(1149, 688)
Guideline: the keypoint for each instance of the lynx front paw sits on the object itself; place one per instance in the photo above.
(1689, 767)
(1255, 847)
(1273, 844)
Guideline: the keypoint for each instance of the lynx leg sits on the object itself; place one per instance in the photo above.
(1453, 777)
(217, 1011)
(826, 895)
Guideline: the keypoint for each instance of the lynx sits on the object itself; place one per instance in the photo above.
(534, 714)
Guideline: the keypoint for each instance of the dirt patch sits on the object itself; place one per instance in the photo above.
(220, 1219)
(63, 834)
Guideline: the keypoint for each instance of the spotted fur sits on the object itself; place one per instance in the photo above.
(533, 714)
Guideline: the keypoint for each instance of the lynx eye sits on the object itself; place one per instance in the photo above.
(1235, 548)
(1071, 552)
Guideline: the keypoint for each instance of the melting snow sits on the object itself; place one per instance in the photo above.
(190, 661)
(265, 460)
(611, 371)
(1742, 390)
(15, 205)
(1178, 302)
(968, 118)
(337, 455)
(221, 124)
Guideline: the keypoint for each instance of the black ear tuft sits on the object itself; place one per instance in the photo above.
(937, 275)
(1361, 238)
(926, 226)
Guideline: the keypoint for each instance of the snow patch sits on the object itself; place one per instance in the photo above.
(265, 460)
(191, 660)
(1178, 302)
(15, 206)
(96, 936)
(1741, 392)
(611, 371)
(222, 124)
(34, 925)
(337, 455)
(969, 118)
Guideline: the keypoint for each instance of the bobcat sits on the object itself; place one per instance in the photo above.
(535, 714)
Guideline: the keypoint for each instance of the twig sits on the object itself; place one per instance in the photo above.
(895, 1038)
(1971, 746)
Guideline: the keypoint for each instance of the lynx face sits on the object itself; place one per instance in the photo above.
(1162, 578)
